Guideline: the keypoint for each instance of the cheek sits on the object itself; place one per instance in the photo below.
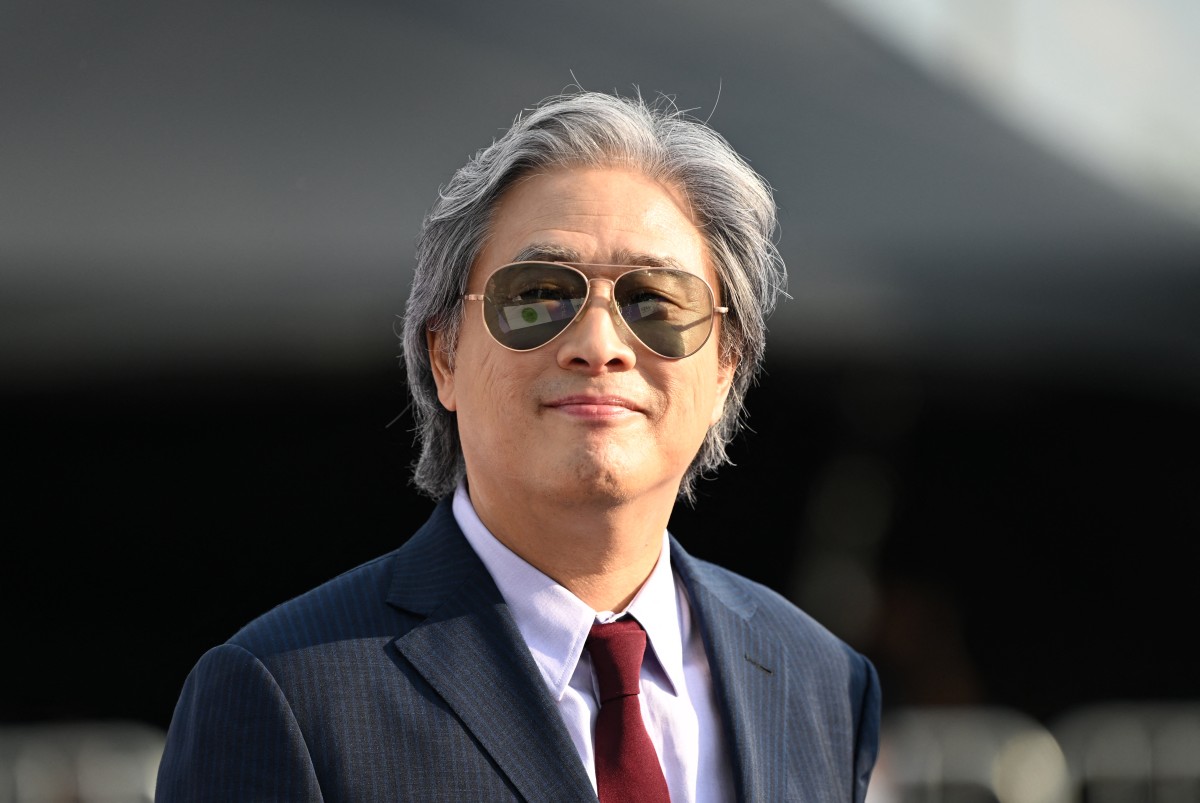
(690, 397)
(491, 389)
(483, 391)
(706, 380)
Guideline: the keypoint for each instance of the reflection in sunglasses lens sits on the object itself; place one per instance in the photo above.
(528, 304)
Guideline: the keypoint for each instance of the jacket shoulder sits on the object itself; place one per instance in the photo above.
(363, 602)
(771, 613)
(351, 604)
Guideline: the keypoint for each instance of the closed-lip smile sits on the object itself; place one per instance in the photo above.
(594, 405)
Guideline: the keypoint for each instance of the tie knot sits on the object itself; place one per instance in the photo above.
(617, 649)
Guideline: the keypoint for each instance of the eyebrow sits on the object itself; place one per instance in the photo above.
(549, 252)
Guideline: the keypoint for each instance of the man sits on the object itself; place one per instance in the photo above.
(586, 315)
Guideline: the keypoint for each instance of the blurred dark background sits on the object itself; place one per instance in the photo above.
(973, 450)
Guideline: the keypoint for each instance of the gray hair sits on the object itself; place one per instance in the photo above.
(732, 204)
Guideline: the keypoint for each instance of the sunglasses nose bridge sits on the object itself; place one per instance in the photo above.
(608, 300)
(585, 324)
(601, 280)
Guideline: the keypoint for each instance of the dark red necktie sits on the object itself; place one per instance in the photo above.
(627, 767)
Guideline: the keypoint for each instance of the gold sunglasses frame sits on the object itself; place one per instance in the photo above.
(614, 310)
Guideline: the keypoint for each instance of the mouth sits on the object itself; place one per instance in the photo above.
(593, 406)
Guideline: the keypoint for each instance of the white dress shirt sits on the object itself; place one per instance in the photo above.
(678, 702)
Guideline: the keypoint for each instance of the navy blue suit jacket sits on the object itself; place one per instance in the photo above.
(407, 679)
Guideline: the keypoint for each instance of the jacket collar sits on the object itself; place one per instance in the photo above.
(748, 673)
(468, 648)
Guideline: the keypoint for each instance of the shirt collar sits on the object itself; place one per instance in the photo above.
(555, 623)
(656, 607)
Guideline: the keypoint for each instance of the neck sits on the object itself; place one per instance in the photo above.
(600, 550)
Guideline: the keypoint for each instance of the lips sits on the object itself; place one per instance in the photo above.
(585, 404)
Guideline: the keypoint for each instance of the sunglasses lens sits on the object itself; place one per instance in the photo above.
(669, 310)
(528, 303)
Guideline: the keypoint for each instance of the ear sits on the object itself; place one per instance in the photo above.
(725, 372)
(442, 363)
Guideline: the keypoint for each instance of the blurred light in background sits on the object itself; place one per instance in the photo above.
(1110, 85)
(79, 762)
(1120, 752)
(968, 755)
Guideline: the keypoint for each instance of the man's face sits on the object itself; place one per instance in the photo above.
(593, 415)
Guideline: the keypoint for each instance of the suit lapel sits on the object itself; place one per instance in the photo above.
(468, 648)
(750, 677)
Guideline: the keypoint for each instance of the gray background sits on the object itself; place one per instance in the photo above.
(216, 182)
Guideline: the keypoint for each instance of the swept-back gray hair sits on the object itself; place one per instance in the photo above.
(732, 204)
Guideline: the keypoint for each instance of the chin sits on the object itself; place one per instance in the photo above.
(585, 478)
(611, 483)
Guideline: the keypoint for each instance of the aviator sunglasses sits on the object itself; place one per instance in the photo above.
(528, 304)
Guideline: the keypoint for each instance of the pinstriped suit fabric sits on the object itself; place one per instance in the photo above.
(406, 679)
(802, 707)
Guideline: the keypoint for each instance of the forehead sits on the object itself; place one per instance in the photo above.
(594, 215)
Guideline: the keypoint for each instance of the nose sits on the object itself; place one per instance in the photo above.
(595, 341)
